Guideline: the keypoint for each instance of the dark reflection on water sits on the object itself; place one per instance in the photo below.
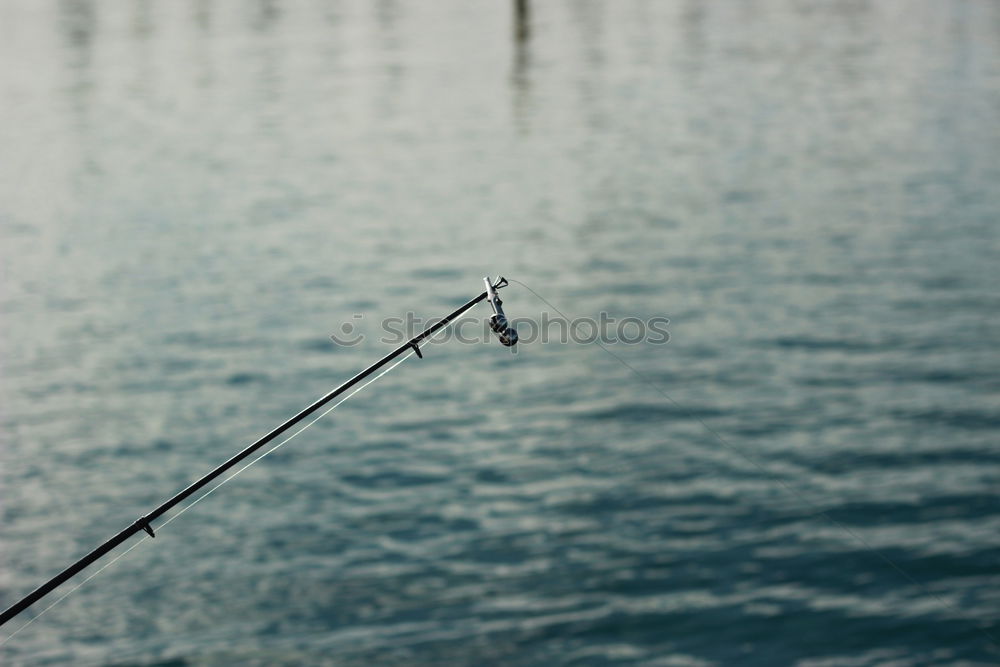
(520, 78)
(78, 23)
(194, 195)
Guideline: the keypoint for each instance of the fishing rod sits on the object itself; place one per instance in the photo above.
(498, 324)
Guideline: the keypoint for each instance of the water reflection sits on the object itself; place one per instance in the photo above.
(588, 20)
(78, 27)
(520, 78)
(694, 39)
(204, 17)
(267, 53)
(265, 15)
(522, 20)
(143, 23)
(142, 33)
(203, 13)
(388, 17)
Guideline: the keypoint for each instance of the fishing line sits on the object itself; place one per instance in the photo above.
(220, 484)
(67, 593)
(746, 457)
(318, 417)
(203, 496)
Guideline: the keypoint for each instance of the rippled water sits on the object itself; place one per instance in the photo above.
(193, 195)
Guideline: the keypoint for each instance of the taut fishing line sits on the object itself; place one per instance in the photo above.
(144, 538)
(746, 457)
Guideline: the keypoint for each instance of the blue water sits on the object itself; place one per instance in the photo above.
(194, 195)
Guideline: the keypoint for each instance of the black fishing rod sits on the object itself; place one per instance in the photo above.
(498, 324)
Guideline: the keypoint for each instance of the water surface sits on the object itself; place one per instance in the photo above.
(194, 194)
